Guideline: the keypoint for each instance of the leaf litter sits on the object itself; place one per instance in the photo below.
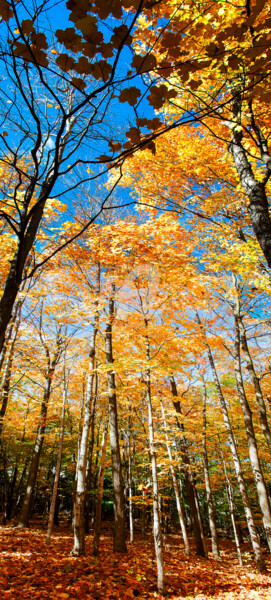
(29, 569)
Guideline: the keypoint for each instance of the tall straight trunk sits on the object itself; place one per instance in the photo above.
(254, 379)
(251, 440)
(98, 515)
(80, 429)
(130, 491)
(79, 500)
(7, 353)
(58, 465)
(33, 470)
(158, 543)
(211, 512)
(255, 540)
(12, 329)
(258, 207)
(90, 456)
(175, 486)
(119, 544)
(81, 467)
(189, 478)
(231, 507)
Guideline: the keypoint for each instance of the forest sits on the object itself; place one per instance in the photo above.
(135, 256)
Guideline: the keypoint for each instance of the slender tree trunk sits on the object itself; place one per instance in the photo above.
(119, 544)
(90, 456)
(158, 543)
(7, 354)
(252, 445)
(130, 491)
(258, 207)
(97, 522)
(211, 512)
(254, 379)
(189, 478)
(231, 507)
(58, 465)
(255, 540)
(32, 475)
(79, 501)
(175, 486)
(81, 467)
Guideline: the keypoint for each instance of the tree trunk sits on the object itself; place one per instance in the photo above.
(231, 507)
(90, 456)
(255, 381)
(189, 478)
(97, 522)
(255, 540)
(252, 445)
(130, 491)
(79, 501)
(156, 515)
(58, 465)
(175, 486)
(33, 471)
(119, 544)
(258, 208)
(211, 512)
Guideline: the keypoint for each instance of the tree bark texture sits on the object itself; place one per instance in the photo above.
(158, 542)
(33, 470)
(251, 440)
(58, 465)
(98, 515)
(175, 486)
(211, 511)
(255, 540)
(189, 478)
(119, 544)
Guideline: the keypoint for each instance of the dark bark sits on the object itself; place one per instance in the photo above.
(189, 478)
(119, 544)
(33, 470)
(258, 203)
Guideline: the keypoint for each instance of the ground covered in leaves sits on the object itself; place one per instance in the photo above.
(31, 569)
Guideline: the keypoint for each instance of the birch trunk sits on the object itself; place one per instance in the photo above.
(211, 512)
(252, 445)
(175, 486)
(255, 540)
(158, 545)
(130, 491)
(97, 523)
(255, 380)
(79, 502)
(81, 467)
(232, 511)
(258, 207)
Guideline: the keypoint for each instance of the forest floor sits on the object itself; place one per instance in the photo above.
(29, 569)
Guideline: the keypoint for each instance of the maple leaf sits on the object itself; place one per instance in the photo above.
(143, 64)
(5, 10)
(119, 34)
(69, 38)
(130, 95)
(65, 62)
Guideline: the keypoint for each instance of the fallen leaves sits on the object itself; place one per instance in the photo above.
(30, 569)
